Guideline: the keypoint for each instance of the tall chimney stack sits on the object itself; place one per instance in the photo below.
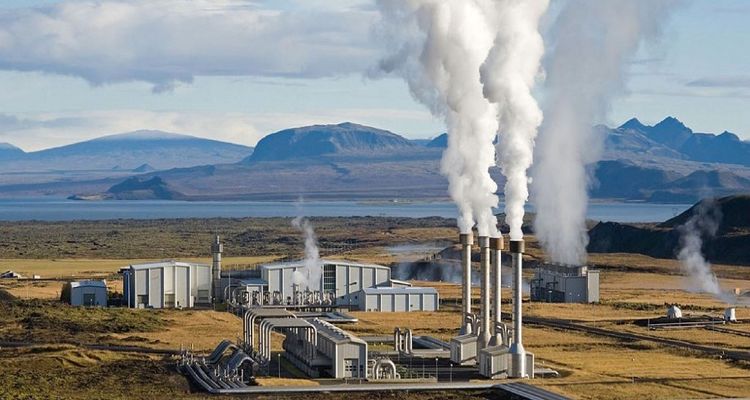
(517, 352)
(216, 249)
(484, 334)
(467, 239)
(496, 247)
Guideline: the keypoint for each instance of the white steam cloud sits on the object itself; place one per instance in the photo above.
(704, 222)
(439, 47)
(508, 76)
(309, 277)
(592, 43)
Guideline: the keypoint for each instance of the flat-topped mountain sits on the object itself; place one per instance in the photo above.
(127, 151)
(322, 140)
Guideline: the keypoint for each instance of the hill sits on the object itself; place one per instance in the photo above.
(10, 152)
(729, 245)
(321, 140)
(128, 151)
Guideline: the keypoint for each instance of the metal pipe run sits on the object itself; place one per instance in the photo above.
(518, 354)
(496, 247)
(484, 332)
(467, 239)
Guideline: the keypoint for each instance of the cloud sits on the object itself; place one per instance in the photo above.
(167, 42)
(722, 82)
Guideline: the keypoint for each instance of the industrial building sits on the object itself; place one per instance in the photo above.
(366, 287)
(554, 283)
(167, 284)
(90, 293)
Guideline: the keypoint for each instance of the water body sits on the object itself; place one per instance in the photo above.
(68, 210)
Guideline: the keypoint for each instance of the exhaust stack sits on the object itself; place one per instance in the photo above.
(467, 239)
(484, 332)
(517, 352)
(216, 249)
(496, 247)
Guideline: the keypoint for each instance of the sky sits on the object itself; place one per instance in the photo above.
(236, 70)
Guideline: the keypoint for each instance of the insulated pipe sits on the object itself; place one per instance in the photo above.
(496, 247)
(467, 239)
(518, 354)
(484, 332)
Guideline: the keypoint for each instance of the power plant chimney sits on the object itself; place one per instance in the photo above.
(517, 352)
(484, 333)
(496, 247)
(466, 239)
(216, 249)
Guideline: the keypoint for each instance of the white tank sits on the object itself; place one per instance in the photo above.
(674, 312)
(730, 315)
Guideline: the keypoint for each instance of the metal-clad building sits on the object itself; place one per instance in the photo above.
(348, 353)
(345, 279)
(85, 293)
(398, 299)
(167, 284)
(555, 283)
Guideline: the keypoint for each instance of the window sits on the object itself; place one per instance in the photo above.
(329, 277)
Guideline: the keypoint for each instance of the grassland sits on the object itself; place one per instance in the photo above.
(633, 287)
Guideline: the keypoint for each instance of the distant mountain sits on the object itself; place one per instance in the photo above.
(440, 141)
(127, 151)
(10, 152)
(729, 245)
(672, 139)
(321, 140)
(144, 168)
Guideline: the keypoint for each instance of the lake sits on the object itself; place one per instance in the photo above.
(67, 210)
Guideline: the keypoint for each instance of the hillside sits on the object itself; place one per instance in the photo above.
(10, 152)
(730, 245)
(128, 151)
(322, 140)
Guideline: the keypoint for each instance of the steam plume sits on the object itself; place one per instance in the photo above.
(439, 47)
(593, 41)
(704, 222)
(508, 75)
(310, 277)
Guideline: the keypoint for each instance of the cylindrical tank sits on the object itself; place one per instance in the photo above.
(674, 312)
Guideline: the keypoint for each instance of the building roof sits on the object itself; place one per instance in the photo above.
(252, 282)
(399, 290)
(301, 264)
(100, 284)
(165, 263)
(334, 333)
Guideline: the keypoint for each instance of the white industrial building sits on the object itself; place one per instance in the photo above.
(167, 284)
(367, 287)
(398, 299)
(85, 293)
(555, 283)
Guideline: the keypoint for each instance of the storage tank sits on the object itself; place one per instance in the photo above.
(674, 312)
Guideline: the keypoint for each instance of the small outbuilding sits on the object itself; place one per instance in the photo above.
(85, 293)
(398, 299)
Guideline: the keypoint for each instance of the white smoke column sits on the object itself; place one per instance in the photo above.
(310, 277)
(704, 222)
(508, 76)
(593, 41)
(439, 47)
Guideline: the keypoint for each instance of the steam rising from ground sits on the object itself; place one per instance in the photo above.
(439, 47)
(704, 222)
(508, 75)
(592, 44)
(309, 277)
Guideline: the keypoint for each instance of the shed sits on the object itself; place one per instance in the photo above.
(85, 293)
(398, 299)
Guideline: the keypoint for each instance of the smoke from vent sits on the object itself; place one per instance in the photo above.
(439, 47)
(593, 41)
(310, 276)
(508, 76)
(703, 223)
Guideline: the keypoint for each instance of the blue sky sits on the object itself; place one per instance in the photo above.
(237, 70)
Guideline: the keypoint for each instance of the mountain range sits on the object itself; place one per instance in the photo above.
(665, 162)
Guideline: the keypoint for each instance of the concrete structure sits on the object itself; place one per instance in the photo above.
(85, 293)
(398, 299)
(216, 249)
(554, 283)
(167, 284)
